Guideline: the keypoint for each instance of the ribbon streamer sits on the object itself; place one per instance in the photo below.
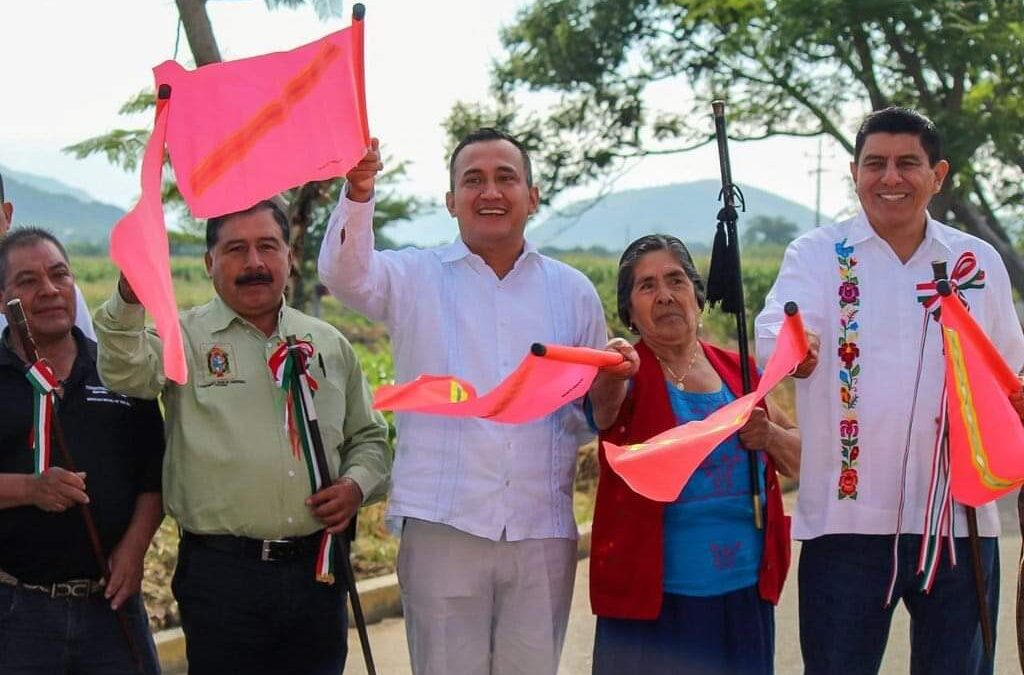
(44, 382)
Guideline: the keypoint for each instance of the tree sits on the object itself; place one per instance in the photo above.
(309, 205)
(787, 67)
(769, 231)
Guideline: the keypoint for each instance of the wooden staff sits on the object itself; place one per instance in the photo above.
(28, 345)
(344, 539)
(725, 280)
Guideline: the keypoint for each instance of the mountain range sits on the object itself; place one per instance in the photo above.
(68, 212)
(686, 210)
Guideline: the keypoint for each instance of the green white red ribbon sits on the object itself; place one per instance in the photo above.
(298, 412)
(44, 382)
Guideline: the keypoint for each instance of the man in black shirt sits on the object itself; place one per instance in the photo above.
(54, 615)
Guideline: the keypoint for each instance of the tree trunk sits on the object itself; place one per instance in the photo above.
(300, 212)
(199, 31)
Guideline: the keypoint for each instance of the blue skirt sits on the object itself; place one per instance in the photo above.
(728, 634)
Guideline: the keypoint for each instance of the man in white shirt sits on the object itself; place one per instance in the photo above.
(868, 413)
(488, 553)
(82, 318)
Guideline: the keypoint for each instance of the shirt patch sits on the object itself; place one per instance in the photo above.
(221, 364)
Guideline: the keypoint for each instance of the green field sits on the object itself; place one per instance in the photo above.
(375, 549)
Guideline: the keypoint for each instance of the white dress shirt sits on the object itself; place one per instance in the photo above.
(889, 336)
(448, 313)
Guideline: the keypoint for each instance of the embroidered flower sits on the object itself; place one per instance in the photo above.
(849, 369)
(848, 483)
(848, 292)
(848, 352)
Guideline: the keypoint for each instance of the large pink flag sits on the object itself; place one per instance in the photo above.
(237, 133)
(548, 378)
(660, 467)
(986, 438)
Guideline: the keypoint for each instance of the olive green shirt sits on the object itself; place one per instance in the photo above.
(229, 466)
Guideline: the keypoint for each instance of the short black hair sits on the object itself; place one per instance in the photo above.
(482, 135)
(25, 236)
(2, 200)
(649, 244)
(896, 120)
(214, 224)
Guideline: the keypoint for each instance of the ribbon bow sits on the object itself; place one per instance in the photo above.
(282, 364)
(44, 382)
(966, 275)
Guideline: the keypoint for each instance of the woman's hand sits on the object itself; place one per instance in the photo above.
(630, 360)
(756, 434)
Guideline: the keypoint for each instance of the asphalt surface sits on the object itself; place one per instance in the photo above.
(389, 644)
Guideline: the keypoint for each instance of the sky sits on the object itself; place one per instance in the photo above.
(66, 66)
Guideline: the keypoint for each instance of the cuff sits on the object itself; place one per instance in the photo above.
(365, 479)
(128, 315)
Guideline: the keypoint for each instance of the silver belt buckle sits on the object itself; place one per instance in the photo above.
(73, 589)
(265, 553)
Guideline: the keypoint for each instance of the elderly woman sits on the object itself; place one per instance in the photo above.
(686, 587)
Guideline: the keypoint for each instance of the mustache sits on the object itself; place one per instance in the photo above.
(254, 278)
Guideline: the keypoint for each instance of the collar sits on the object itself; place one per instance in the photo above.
(861, 230)
(219, 316)
(457, 250)
(86, 350)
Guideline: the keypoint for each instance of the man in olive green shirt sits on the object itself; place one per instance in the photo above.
(245, 580)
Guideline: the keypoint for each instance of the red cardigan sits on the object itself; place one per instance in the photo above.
(627, 540)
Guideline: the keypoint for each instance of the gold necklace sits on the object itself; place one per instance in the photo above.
(679, 381)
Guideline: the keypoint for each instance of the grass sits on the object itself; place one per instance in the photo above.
(375, 549)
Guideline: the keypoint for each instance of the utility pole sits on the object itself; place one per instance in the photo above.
(816, 172)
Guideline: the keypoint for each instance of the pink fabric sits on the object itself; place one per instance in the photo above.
(985, 433)
(660, 467)
(238, 133)
(139, 246)
(538, 387)
(246, 130)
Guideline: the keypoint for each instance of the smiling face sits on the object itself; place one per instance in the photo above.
(491, 198)
(662, 304)
(249, 264)
(895, 181)
(39, 275)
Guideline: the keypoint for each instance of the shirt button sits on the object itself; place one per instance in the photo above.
(291, 474)
(507, 483)
(290, 519)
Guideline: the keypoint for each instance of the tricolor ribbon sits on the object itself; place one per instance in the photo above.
(966, 275)
(41, 376)
(284, 363)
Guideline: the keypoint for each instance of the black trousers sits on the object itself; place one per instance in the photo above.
(242, 615)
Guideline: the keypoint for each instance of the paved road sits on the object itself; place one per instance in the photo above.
(388, 637)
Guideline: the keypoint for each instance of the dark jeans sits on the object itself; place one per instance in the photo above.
(242, 615)
(728, 634)
(45, 636)
(844, 624)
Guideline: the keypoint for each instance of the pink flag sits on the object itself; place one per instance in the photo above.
(986, 439)
(237, 133)
(545, 380)
(660, 467)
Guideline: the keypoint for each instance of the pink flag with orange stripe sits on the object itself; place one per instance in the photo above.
(660, 467)
(986, 438)
(548, 378)
(237, 133)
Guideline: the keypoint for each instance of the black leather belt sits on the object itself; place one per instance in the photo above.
(267, 550)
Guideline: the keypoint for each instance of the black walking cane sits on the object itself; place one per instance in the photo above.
(725, 281)
(343, 541)
(944, 289)
(28, 344)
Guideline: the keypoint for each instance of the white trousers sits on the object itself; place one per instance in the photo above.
(479, 607)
